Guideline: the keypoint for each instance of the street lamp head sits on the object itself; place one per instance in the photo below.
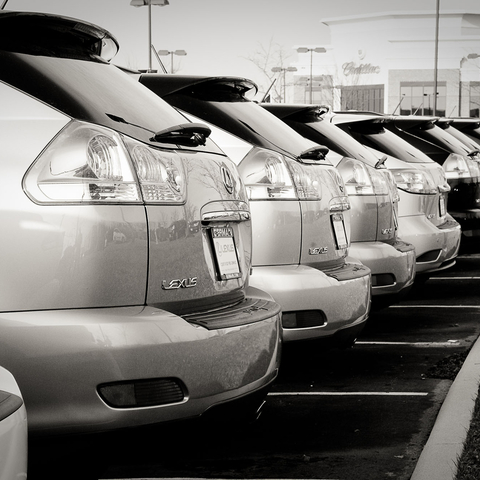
(142, 3)
(291, 69)
(473, 55)
(171, 52)
(316, 50)
(276, 69)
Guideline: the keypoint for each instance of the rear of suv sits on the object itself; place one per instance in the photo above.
(373, 195)
(300, 211)
(126, 244)
(457, 159)
(423, 187)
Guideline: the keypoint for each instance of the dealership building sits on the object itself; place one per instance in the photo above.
(390, 63)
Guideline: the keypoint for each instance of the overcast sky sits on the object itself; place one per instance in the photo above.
(222, 36)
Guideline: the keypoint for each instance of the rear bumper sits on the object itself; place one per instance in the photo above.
(392, 267)
(436, 248)
(59, 359)
(299, 288)
(13, 429)
(469, 221)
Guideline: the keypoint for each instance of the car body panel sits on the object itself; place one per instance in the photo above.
(464, 197)
(435, 235)
(107, 286)
(373, 216)
(13, 429)
(299, 288)
(290, 259)
(82, 349)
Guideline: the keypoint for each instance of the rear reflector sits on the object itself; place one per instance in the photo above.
(304, 319)
(142, 393)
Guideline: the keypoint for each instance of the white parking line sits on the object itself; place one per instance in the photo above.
(449, 343)
(348, 394)
(434, 306)
(454, 278)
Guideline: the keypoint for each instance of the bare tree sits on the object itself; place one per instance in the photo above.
(268, 57)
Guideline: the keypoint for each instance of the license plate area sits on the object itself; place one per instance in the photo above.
(339, 231)
(225, 252)
(441, 205)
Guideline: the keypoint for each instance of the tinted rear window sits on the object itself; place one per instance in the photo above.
(94, 92)
(266, 125)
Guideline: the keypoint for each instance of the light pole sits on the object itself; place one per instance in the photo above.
(462, 61)
(172, 53)
(311, 50)
(149, 3)
(435, 69)
(284, 69)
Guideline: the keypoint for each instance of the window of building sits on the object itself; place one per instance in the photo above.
(417, 98)
(475, 99)
(363, 97)
(322, 90)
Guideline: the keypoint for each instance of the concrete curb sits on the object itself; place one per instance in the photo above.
(444, 446)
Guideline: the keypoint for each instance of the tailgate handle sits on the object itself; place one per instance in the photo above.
(226, 216)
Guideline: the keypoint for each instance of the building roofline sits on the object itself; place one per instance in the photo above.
(418, 13)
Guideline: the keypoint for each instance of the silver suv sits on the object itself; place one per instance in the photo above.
(300, 208)
(126, 244)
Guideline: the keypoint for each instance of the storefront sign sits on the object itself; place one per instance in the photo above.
(351, 68)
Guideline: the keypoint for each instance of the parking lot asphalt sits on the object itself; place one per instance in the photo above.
(443, 449)
(366, 413)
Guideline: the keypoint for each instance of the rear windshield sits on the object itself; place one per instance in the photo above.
(264, 124)
(92, 91)
(393, 145)
(341, 142)
(462, 137)
(443, 139)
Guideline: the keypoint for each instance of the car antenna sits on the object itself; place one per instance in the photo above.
(268, 90)
(158, 58)
(3, 4)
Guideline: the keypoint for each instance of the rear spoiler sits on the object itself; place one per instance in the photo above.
(164, 85)
(54, 35)
(402, 122)
(284, 111)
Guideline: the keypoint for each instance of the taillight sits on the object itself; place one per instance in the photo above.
(356, 177)
(160, 173)
(266, 175)
(414, 181)
(473, 167)
(455, 166)
(387, 175)
(307, 179)
(88, 164)
(339, 204)
(442, 182)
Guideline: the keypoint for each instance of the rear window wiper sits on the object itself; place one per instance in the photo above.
(473, 152)
(381, 162)
(186, 134)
